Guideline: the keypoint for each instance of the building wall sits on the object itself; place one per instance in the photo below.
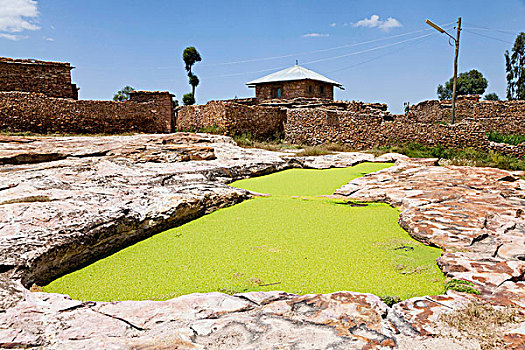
(294, 89)
(50, 78)
(38, 113)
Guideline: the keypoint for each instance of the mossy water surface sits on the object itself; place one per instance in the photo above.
(293, 241)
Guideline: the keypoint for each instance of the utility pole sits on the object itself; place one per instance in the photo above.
(456, 41)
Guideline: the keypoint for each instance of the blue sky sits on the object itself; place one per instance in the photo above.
(140, 43)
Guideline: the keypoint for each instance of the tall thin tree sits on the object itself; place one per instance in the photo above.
(191, 56)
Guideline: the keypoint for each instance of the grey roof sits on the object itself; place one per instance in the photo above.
(293, 73)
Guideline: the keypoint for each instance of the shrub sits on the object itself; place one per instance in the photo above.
(461, 286)
(511, 139)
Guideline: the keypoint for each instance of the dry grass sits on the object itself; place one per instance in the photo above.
(484, 323)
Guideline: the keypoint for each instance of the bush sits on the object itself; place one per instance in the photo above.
(390, 300)
(511, 139)
(461, 286)
(188, 99)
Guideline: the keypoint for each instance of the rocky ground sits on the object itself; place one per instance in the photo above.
(65, 202)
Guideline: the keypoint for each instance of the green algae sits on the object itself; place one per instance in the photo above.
(304, 244)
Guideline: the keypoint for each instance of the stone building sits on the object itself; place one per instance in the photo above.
(294, 82)
(27, 75)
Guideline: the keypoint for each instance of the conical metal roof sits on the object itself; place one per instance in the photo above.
(293, 73)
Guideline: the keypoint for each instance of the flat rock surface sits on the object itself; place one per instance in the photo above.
(65, 202)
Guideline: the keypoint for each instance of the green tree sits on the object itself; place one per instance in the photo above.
(468, 83)
(515, 66)
(190, 56)
(124, 94)
(188, 99)
(492, 97)
(194, 82)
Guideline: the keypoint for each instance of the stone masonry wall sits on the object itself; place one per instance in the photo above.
(232, 118)
(507, 117)
(50, 78)
(367, 130)
(38, 113)
(294, 89)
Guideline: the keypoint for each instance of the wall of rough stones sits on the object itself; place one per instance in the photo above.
(507, 117)
(50, 78)
(38, 113)
(232, 118)
(362, 130)
(294, 89)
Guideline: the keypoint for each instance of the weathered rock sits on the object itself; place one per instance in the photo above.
(104, 193)
(474, 214)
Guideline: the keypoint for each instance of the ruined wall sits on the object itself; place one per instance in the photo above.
(294, 89)
(38, 113)
(507, 117)
(50, 78)
(232, 118)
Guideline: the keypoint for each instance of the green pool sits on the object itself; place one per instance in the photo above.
(292, 240)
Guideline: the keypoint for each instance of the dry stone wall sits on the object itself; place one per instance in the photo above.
(232, 118)
(375, 129)
(50, 78)
(507, 117)
(38, 113)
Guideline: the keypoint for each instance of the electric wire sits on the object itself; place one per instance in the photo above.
(316, 51)
(487, 36)
(492, 30)
(368, 50)
(328, 58)
(377, 57)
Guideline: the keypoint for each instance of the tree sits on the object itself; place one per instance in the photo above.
(468, 83)
(194, 82)
(124, 94)
(190, 56)
(515, 66)
(492, 97)
(188, 99)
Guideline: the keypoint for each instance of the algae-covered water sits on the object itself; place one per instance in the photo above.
(304, 244)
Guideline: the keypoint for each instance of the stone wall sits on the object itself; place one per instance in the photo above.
(232, 118)
(294, 89)
(360, 125)
(38, 113)
(369, 129)
(50, 78)
(507, 117)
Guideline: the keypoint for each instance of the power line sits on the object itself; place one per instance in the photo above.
(493, 30)
(376, 58)
(368, 50)
(487, 36)
(328, 58)
(316, 51)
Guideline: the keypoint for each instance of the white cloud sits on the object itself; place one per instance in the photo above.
(49, 39)
(315, 35)
(376, 22)
(390, 23)
(17, 16)
(13, 37)
(333, 24)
